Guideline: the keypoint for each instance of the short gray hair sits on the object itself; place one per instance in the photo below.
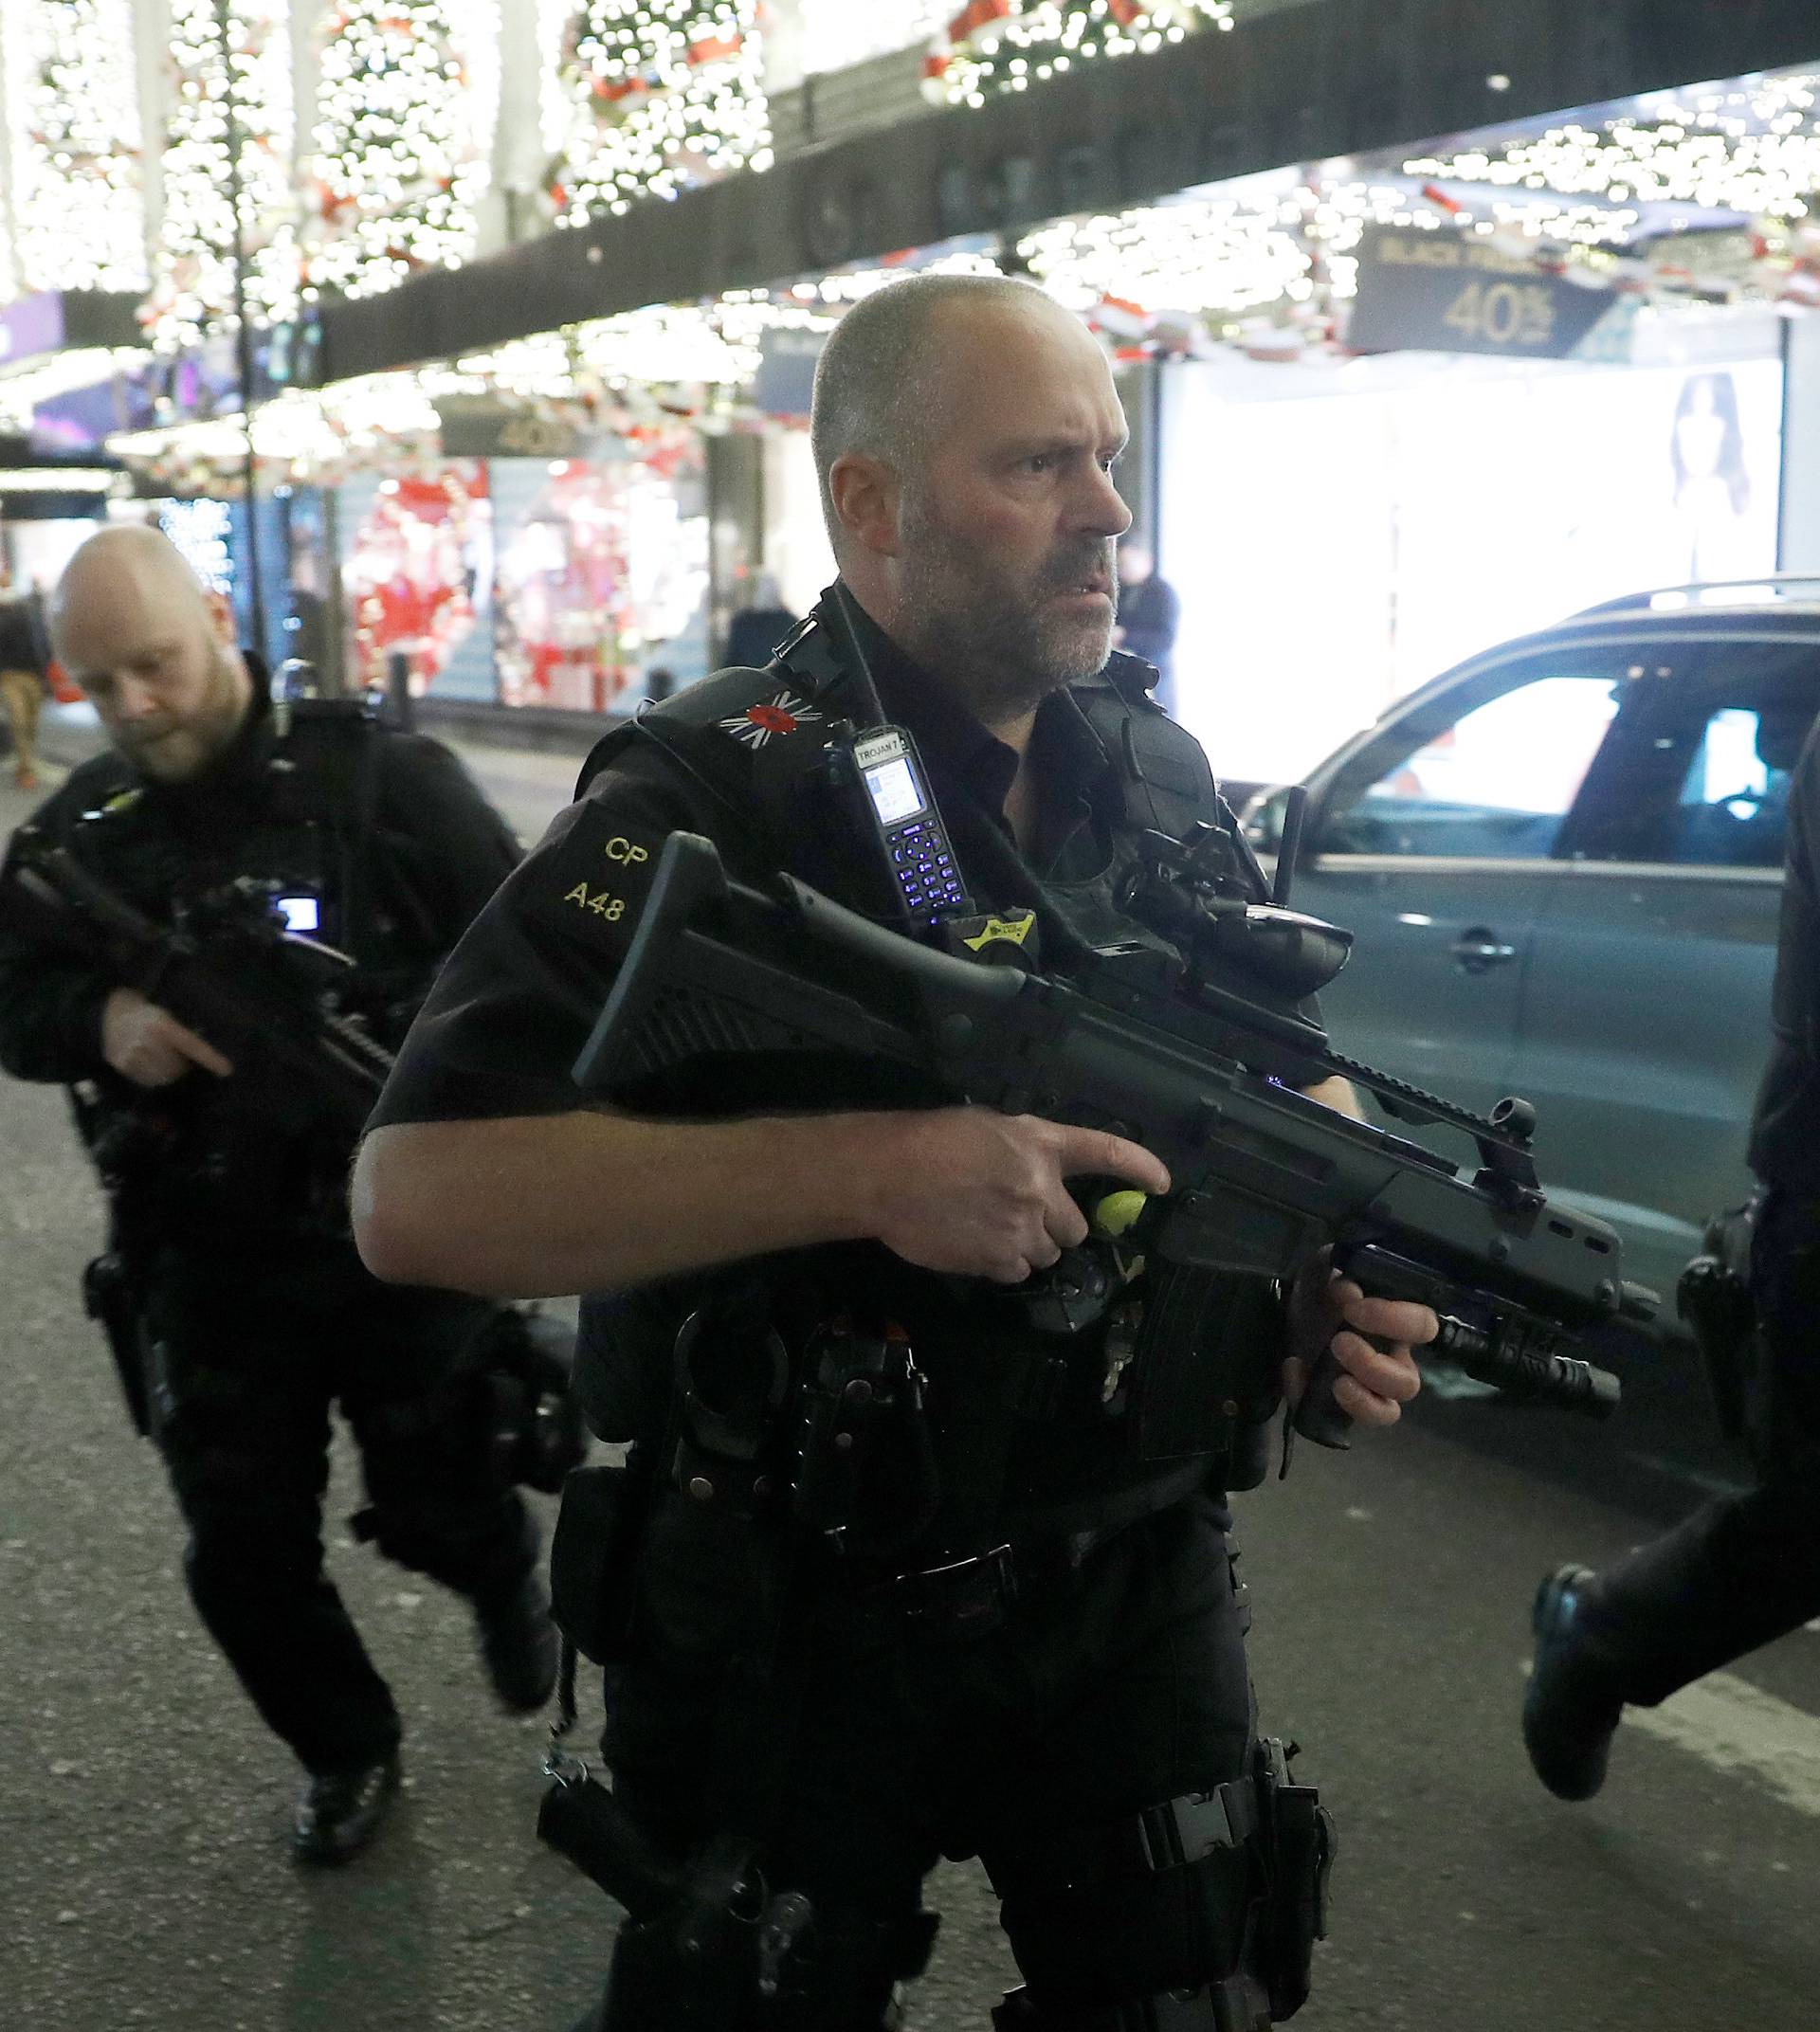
(872, 378)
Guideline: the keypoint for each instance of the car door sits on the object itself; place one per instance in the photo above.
(1645, 1024)
(1432, 840)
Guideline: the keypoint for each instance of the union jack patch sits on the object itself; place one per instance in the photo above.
(783, 713)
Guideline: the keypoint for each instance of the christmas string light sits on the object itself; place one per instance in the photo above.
(72, 107)
(836, 33)
(1750, 148)
(193, 287)
(1008, 45)
(400, 142)
(660, 96)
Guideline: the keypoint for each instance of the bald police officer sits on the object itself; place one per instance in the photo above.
(1037, 1651)
(251, 1312)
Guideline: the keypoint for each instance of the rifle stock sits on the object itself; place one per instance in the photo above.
(1262, 1175)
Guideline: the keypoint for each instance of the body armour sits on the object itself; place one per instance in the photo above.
(1038, 1419)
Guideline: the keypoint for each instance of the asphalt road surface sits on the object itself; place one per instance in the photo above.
(144, 1880)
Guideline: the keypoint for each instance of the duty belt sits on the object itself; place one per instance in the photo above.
(972, 1595)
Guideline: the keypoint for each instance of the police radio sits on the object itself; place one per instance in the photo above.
(898, 811)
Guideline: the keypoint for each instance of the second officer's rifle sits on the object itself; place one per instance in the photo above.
(232, 973)
(1201, 1073)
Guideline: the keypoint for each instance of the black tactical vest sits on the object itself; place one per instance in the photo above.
(1063, 1431)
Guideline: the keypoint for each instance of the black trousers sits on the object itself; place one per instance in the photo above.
(1742, 1570)
(246, 1354)
(870, 1750)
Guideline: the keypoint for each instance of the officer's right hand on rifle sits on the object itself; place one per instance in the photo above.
(148, 1046)
(976, 1193)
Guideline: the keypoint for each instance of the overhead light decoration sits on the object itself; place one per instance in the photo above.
(1602, 205)
(202, 531)
(656, 96)
(73, 134)
(1747, 148)
(1008, 45)
(401, 140)
(837, 33)
(192, 284)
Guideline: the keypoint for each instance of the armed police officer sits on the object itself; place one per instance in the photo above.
(238, 1306)
(1745, 1567)
(994, 1626)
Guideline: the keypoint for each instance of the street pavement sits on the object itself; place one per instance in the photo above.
(143, 1877)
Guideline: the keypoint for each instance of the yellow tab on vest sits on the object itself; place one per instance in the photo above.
(1014, 930)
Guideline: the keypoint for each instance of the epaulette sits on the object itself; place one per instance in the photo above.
(745, 737)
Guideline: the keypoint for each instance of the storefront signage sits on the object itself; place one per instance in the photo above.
(56, 318)
(1450, 292)
(34, 324)
(785, 377)
(476, 426)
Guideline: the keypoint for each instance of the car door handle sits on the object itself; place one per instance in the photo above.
(1481, 949)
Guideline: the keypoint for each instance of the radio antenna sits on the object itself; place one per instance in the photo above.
(1295, 806)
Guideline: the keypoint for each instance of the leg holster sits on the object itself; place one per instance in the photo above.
(706, 1943)
(1235, 1952)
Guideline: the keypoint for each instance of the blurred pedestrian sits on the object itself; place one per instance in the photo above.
(757, 628)
(1150, 611)
(21, 679)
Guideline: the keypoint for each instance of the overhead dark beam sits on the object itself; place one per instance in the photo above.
(1320, 79)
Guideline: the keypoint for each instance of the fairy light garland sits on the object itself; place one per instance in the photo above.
(72, 109)
(659, 96)
(1751, 149)
(192, 286)
(836, 33)
(1008, 45)
(401, 140)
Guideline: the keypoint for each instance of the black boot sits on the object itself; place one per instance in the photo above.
(339, 1812)
(1570, 1710)
(518, 1646)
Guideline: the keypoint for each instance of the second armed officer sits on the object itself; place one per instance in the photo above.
(238, 1307)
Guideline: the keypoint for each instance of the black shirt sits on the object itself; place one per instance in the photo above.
(517, 998)
(514, 1006)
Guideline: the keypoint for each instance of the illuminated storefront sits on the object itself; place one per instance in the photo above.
(1340, 535)
(531, 582)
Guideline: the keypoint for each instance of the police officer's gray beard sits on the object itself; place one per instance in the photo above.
(1003, 657)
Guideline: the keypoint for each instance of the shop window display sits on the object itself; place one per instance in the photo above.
(600, 576)
(413, 568)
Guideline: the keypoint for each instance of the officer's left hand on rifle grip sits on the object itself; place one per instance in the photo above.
(1388, 1378)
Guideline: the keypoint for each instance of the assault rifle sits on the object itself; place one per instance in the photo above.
(231, 970)
(1172, 1058)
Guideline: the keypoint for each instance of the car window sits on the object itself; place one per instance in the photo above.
(1733, 807)
(1698, 776)
(1494, 783)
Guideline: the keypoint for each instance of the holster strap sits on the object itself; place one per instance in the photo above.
(1167, 1837)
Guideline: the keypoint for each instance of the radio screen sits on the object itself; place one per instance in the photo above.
(894, 791)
